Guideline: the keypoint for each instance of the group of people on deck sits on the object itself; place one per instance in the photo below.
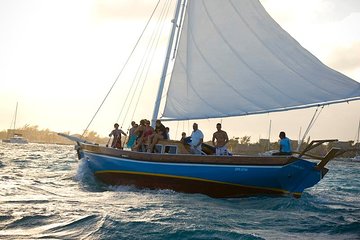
(143, 138)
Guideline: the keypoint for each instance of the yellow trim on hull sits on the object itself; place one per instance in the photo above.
(196, 179)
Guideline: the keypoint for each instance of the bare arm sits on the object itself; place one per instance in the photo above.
(137, 129)
(226, 138)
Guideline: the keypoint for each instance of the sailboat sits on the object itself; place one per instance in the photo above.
(356, 158)
(231, 59)
(15, 138)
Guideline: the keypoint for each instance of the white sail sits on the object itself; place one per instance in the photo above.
(233, 59)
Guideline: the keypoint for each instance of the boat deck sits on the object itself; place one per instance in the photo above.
(190, 158)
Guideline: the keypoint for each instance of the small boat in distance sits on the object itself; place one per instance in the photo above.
(357, 145)
(231, 59)
(16, 137)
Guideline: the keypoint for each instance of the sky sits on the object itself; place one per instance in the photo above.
(59, 58)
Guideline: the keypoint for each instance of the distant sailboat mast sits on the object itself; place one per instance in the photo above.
(269, 145)
(12, 128)
(15, 116)
(12, 136)
(358, 134)
(357, 144)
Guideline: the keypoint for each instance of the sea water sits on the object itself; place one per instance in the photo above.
(46, 193)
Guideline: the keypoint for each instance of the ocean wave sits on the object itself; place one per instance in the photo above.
(55, 196)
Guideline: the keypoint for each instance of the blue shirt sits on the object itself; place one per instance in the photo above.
(285, 145)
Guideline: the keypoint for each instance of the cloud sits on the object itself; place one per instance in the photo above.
(344, 49)
(114, 9)
(346, 58)
(329, 29)
(295, 12)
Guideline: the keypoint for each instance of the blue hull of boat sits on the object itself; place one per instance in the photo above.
(215, 180)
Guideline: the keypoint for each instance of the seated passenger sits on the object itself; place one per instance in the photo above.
(183, 136)
(132, 136)
(167, 133)
(160, 133)
(148, 132)
(139, 133)
(285, 145)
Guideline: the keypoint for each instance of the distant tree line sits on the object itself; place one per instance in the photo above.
(242, 145)
(237, 145)
(36, 135)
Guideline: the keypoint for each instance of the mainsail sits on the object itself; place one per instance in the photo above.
(233, 59)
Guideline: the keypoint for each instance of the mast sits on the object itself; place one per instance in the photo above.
(166, 64)
(15, 115)
(179, 28)
(358, 133)
(269, 135)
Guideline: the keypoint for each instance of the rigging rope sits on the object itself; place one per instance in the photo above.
(148, 57)
(176, 132)
(179, 29)
(117, 78)
(311, 124)
(357, 135)
(137, 76)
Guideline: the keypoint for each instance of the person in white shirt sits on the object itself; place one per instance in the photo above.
(197, 138)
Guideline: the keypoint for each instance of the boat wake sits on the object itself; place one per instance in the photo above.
(87, 179)
(134, 189)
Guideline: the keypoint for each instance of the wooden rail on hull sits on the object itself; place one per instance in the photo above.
(189, 158)
(185, 157)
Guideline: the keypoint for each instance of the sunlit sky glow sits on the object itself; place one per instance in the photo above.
(58, 59)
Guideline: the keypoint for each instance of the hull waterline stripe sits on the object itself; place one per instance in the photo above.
(195, 179)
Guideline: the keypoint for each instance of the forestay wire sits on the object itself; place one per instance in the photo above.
(118, 76)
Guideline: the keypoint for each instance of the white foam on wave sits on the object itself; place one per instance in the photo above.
(83, 173)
